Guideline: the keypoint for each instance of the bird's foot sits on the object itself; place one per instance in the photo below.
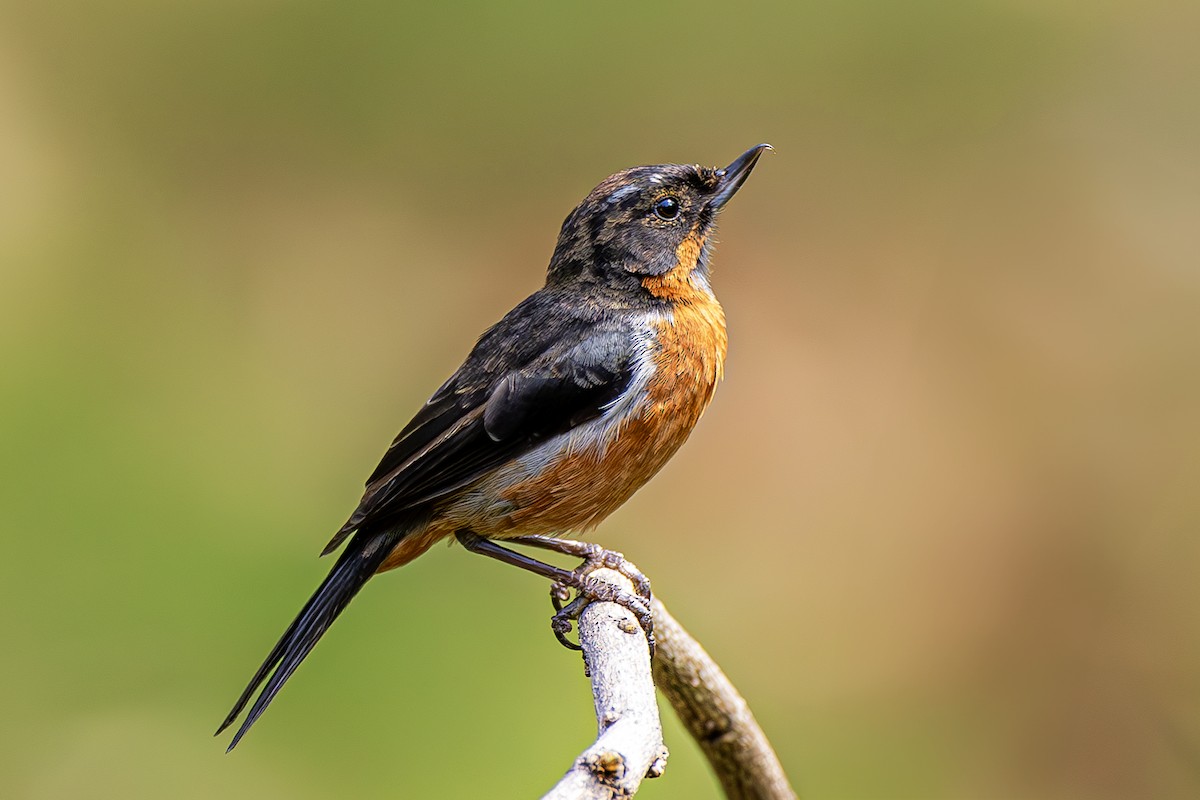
(588, 589)
(594, 557)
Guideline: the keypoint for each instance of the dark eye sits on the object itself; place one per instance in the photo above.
(667, 208)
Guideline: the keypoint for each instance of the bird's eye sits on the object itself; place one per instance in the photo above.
(667, 208)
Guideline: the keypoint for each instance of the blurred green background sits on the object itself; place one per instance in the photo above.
(940, 525)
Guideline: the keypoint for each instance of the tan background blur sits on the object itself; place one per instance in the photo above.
(940, 524)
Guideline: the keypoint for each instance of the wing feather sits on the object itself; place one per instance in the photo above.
(512, 393)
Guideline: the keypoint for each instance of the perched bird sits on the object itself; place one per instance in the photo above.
(562, 410)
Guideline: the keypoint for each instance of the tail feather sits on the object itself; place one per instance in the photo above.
(357, 563)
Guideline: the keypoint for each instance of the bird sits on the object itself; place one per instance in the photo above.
(560, 412)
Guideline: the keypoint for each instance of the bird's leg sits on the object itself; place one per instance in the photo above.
(589, 589)
(594, 557)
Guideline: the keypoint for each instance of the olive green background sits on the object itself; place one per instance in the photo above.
(940, 524)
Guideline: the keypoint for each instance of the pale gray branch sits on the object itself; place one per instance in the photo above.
(629, 746)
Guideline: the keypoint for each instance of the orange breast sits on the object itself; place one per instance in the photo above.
(581, 485)
(579, 489)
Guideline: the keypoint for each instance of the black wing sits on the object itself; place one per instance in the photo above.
(521, 385)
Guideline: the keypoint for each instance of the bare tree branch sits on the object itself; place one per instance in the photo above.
(716, 715)
(630, 745)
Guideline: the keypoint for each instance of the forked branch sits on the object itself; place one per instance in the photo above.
(629, 746)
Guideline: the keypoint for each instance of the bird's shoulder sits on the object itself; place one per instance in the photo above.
(550, 327)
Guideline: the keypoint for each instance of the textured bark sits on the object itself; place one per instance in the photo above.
(716, 715)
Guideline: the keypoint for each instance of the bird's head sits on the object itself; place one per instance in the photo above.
(648, 225)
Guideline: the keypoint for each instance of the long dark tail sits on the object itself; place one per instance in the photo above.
(357, 563)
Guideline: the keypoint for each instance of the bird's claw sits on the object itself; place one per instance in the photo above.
(564, 615)
(596, 557)
(588, 589)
